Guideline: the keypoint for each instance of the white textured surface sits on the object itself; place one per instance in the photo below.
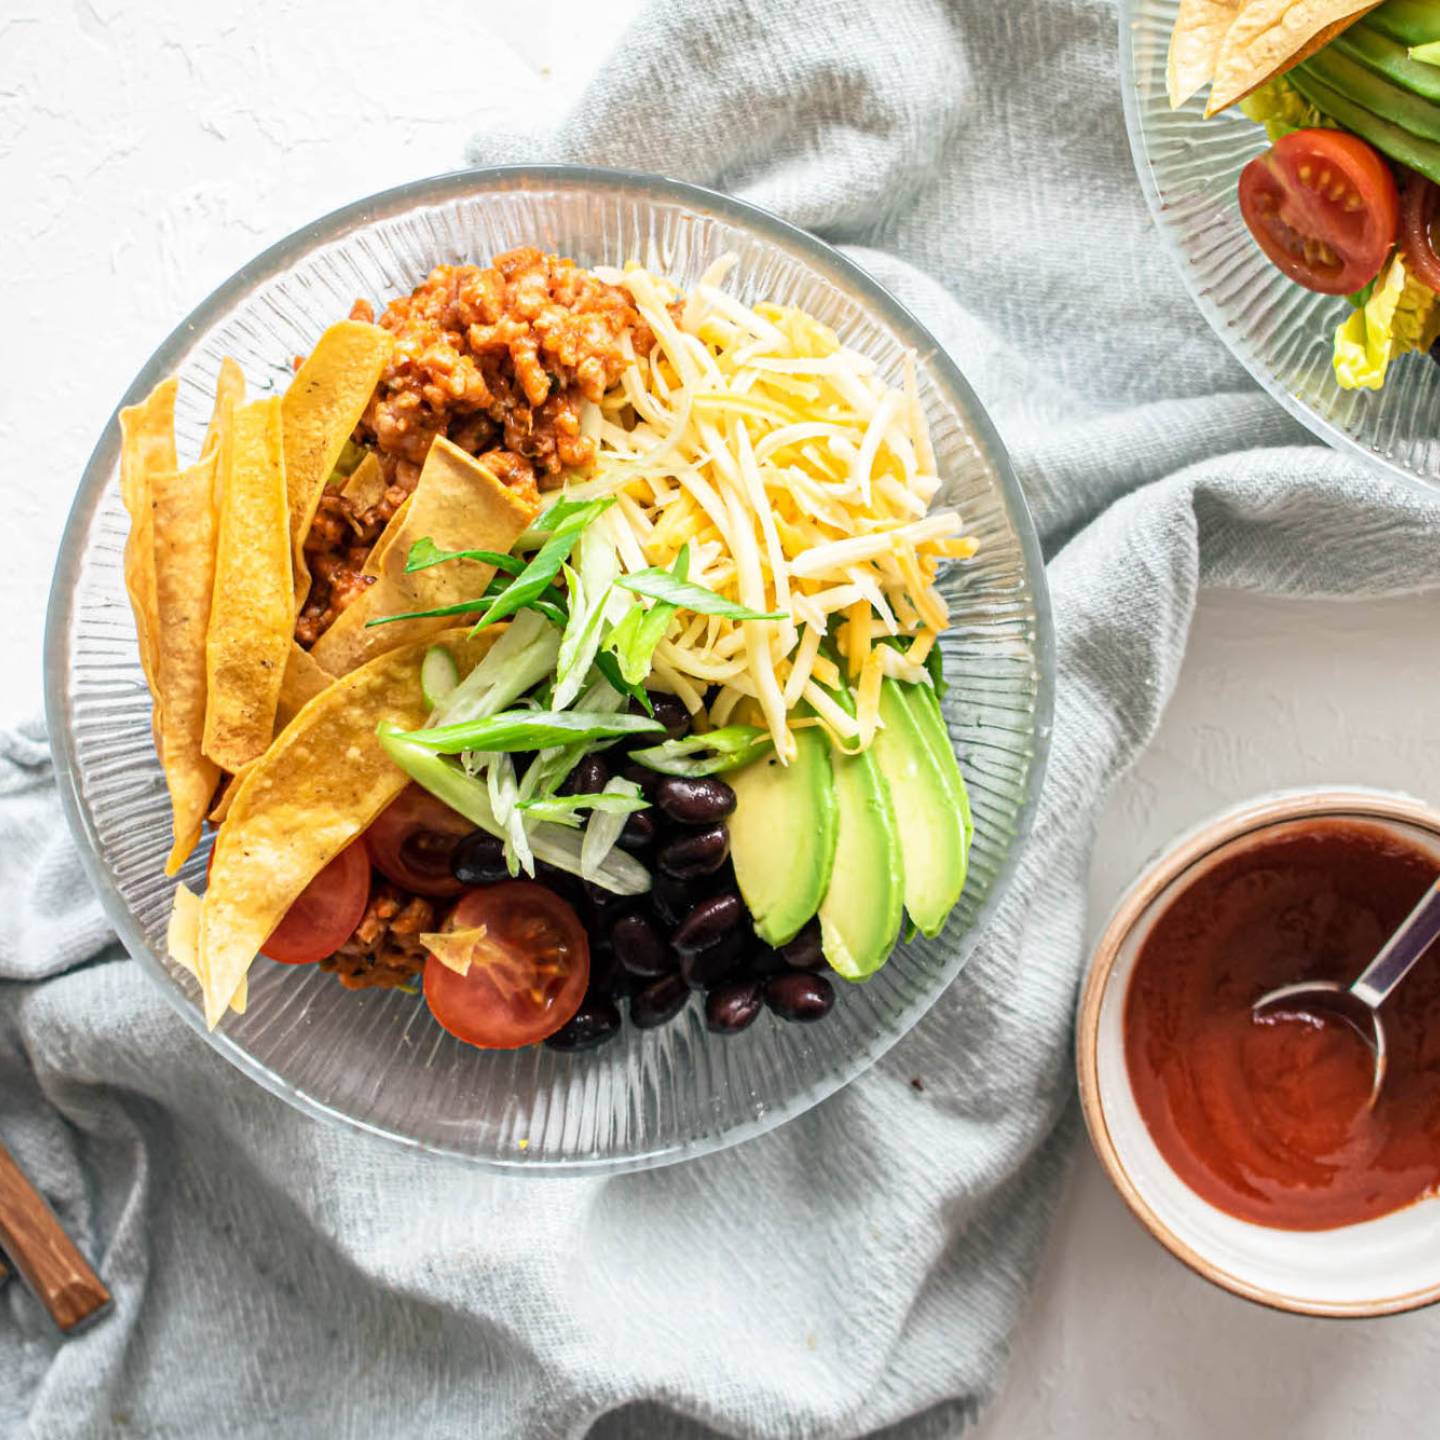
(148, 148)
(1122, 1342)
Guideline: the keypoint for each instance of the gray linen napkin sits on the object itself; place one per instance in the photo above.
(863, 1267)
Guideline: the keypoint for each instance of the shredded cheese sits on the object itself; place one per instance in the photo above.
(801, 482)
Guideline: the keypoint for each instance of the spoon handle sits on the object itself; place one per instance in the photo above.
(44, 1254)
(1401, 950)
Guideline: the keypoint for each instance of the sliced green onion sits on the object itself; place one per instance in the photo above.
(602, 832)
(710, 754)
(518, 661)
(545, 564)
(662, 585)
(443, 778)
(634, 639)
(935, 664)
(565, 809)
(581, 641)
(425, 552)
(609, 667)
(531, 730)
(439, 675)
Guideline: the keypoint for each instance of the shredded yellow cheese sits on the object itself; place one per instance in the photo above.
(802, 484)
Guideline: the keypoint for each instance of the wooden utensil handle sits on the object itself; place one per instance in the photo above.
(44, 1254)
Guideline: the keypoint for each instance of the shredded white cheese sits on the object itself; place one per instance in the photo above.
(801, 483)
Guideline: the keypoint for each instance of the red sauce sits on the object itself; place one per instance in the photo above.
(1266, 1117)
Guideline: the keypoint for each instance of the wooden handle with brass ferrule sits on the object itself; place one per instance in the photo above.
(44, 1255)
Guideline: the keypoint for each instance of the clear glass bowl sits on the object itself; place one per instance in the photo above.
(376, 1059)
(1282, 334)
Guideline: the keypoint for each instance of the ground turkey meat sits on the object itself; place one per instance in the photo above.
(385, 949)
(502, 358)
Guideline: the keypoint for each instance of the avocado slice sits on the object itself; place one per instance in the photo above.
(1407, 22)
(926, 704)
(933, 844)
(865, 902)
(1392, 140)
(783, 835)
(1389, 59)
(1379, 95)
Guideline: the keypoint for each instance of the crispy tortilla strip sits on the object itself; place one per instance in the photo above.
(459, 505)
(182, 940)
(316, 789)
(455, 949)
(252, 616)
(366, 486)
(184, 538)
(229, 397)
(394, 526)
(322, 406)
(304, 680)
(1200, 26)
(1271, 36)
(147, 449)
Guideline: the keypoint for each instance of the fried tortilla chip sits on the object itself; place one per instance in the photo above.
(229, 397)
(366, 486)
(322, 406)
(459, 505)
(182, 940)
(147, 449)
(320, 784)
(1200, 26)
(1271, 36)
(304, 680)
(252, 615)
(184, 539)
(456, 949)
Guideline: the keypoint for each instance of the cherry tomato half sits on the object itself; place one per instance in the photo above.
(1323, 207)
(412, 839)
(326, 913)
(527, 974)
(1418, 206)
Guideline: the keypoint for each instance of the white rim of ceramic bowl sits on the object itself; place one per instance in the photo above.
(273, 260)
(1186, 854)
(1332, 435)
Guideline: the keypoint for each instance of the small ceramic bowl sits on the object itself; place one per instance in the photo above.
(1379, 1267)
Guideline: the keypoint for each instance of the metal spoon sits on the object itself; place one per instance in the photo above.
(1359, 1002)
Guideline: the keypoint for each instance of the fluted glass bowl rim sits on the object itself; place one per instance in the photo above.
(1215, 314)
(436, 189)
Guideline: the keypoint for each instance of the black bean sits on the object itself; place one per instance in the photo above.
(659, 1002)
(694, 802)
(708, 922)
(804, 952)
(704, 969)
(639, 832)
(732, 1007)
(596, 1021)
(763, 961)
(672, 899)
(670, 711)
(640, 947)
(604, 967)
(798, 996)
(600, 901)
(562, 882)
(587, 778)
(701, 852)
(479, 859)
(646, 778)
